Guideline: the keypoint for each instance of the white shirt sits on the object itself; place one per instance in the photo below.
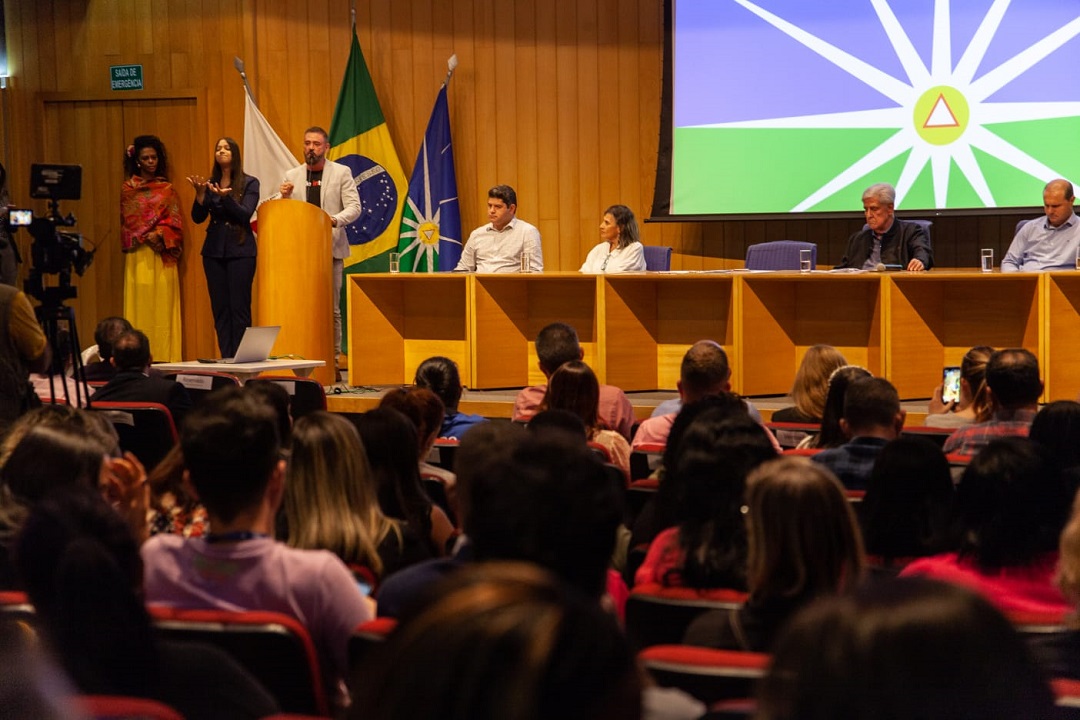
(601, 259)
(499, 251)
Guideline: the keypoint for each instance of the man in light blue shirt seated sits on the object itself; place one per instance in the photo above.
(1049, 243)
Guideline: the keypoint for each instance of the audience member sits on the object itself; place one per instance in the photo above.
(903, 649)
(174, 508)
(574, 387)
(972, 405)
(540, 498)
(505, 641)
(1013, 388)
(105, 334)
(872, 417)
(707, 546)
(390, 439)
(56, 447)
(234, 463)
(1057, 428)
(277, 397)
(23, 350)
(1010, 510)
(908, 508)
(134, 383)
(559, 420)
(332, 500)
(81, 569)
(804, 544)
(704, 371)
(499, 246)
(57, 384)
(831, 435)
(887, 240)
(1050, 242)
(426, 411)
(662, 510)
(811, 385)
(556, 344)
(440, 375)
(674, 405)
(1059, 652)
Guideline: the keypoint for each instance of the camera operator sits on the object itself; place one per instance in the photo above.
(23, 349)
(9, 254)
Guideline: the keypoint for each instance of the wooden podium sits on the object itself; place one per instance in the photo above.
(295, 288)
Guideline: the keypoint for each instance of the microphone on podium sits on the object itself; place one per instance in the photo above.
(882, 267)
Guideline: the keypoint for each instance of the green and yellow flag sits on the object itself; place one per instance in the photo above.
(360, 139)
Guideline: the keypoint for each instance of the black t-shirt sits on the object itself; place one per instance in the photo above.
(314, 187)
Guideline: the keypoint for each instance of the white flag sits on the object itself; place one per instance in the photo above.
(265, 155)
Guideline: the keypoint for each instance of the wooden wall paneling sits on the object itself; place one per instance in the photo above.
(462, 104)
(568, 149)
(547, 130)
(593, 154)
(490, 138)
(528, 59)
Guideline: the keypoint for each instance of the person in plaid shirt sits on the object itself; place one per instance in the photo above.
(1014, 386)
(872, 417)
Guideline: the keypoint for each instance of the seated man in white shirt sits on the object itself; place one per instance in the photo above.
(499, 246)
(1050, 242)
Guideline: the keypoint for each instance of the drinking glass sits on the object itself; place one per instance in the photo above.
(804, 261)
(986, 256)
(395, 262)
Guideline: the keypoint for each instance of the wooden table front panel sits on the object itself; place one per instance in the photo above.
(783, 314)
(1061, 349)
(398, 321)
(651, 320)
(509, 312)
(935, 318)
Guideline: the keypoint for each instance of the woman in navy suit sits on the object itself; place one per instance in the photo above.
(228, 198)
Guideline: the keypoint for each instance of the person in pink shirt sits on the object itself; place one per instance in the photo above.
(556, 344)
(1011, 506)
(704, 371)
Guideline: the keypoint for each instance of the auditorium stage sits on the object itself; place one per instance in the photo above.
(341, 398)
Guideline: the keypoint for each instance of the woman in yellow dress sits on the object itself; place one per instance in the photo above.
(151, 238)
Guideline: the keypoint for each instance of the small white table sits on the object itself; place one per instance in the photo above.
(244, 371)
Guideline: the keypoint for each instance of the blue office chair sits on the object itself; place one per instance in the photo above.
(657, 257)
(1020, 224)
(779, 255)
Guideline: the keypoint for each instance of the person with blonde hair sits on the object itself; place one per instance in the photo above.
(332, 499)
(803, 543)
(973, 405)
(811, 385)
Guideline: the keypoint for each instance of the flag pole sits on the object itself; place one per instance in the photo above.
(451, 65)
(239, 65)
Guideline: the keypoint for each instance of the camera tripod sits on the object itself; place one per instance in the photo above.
(53, 316)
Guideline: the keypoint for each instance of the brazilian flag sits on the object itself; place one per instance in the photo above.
(360, 139)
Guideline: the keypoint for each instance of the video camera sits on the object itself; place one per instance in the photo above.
(54, 250)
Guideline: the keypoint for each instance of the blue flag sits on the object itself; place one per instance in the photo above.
(430, 237)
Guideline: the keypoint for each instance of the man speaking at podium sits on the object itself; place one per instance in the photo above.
(330, 186)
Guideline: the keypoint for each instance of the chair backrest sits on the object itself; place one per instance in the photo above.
(707, 674)
(938, 436)
(790, 434)
(145, 429)
(779, 255)
(1020, 224)
(275, 648)
(306, 395)
(123, 707)
(657, 615)
(657, 257)
(367, 636)
(200, 383)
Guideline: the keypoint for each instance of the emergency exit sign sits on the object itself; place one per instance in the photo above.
(126, 77)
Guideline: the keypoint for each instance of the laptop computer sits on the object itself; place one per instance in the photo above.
(255, 346)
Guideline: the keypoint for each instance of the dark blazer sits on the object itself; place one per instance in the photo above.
(902, 242)
(134, 386)
(229, 233)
